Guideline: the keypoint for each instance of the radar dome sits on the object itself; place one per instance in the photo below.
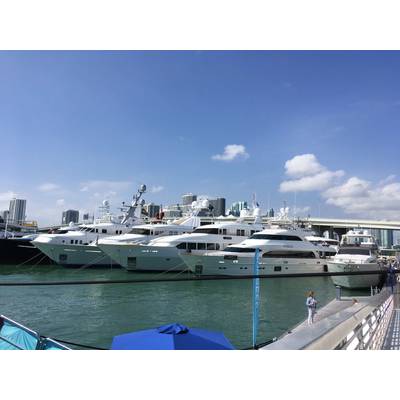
(106, 203)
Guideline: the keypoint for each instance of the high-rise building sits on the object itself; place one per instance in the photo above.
(271, 213)
(188, 199)
(70, 216)
(4, 215)
(238, 206)
(218, 206)
(152, 209)
(17, 210)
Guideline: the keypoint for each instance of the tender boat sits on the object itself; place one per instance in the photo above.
(358, 251)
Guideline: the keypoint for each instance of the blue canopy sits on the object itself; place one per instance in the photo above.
(172, 337)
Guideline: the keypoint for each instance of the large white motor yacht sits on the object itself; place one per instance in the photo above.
(358, 251)
(281, 251)
(113, 245)
(327, 247)
(78, 248)
(162, 254)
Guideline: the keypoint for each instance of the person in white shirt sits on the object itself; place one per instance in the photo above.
(311, 304)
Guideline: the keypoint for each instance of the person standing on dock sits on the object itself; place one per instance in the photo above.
(311, 304)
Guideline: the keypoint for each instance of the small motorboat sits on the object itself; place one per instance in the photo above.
(14, 336)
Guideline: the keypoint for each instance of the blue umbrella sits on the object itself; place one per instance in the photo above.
(172, 337)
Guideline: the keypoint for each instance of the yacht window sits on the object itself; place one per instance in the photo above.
(116, 232)
(240, 249)
(97, 231)
(211, 246)
(80, 242)
(212, 231)
(181, 246)
(240, 232)
(230, 257)
(191, 246)
(289, 254)
(72, 242)
(222, 231)
(264, 236)
(216, 246)
(140, 231)
(76, 242)
(104, 231)
(356, 250)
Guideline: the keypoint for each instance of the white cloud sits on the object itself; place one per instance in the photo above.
(307, 175)
(303, 165)
(48, 187)
(60, 202)
(156, 189)
(357, 196)
(315, 182)
(388, 179)
(231, 152)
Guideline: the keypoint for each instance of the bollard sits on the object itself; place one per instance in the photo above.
(338, 292)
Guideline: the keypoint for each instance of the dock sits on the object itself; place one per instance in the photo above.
(349, 323)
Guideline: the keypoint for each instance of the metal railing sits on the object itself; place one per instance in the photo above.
(370, 333)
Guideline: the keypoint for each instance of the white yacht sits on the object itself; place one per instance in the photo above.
(162, 254)
(358, 251)
(78, 248)
(113, 245)
(282, 251)
(327, 247)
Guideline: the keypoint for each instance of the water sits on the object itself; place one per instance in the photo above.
(93, 314)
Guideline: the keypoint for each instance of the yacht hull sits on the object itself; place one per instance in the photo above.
(145, 258)
(75, 255)
(217, 265)
(18, 251)
(356, 281)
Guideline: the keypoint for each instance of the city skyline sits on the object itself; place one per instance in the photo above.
(314, 129)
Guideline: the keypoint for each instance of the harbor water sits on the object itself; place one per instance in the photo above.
(94, 314)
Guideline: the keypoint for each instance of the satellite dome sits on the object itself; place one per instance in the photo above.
(106, 203)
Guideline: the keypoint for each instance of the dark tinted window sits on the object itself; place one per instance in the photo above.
(104, 231)
(240, 249)
(289, 254)
(264, 236)
(356, 250)
(213, 231)
(181, 246)
(191, 246)
(140, 231)
(210, 246)
(201, 246)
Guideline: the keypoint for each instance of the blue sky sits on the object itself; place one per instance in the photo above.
(321, 127)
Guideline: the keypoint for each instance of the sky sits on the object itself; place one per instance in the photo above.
(319, 130)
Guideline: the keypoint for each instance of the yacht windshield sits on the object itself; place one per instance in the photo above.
(355, 250)
(140, 231)
(240, 250)
(264, 236)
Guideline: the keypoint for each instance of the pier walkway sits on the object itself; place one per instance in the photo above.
(347, 323)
